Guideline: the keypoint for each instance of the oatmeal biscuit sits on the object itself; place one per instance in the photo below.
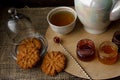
(28, 52)
(28, 58)
(36, 43)
(31, 42)
(53, 62)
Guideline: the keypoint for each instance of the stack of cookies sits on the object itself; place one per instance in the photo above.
(28, 53)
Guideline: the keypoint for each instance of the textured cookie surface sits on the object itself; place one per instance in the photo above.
(28, 59)
(53, 62)
(30, 42)
(28, 53)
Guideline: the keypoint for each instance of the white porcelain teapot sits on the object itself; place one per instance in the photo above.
(96, 15)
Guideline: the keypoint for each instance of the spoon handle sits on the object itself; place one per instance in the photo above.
(84, 71)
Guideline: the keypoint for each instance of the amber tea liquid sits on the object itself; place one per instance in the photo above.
(62, 18)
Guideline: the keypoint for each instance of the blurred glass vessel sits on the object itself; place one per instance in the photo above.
(19, 28)
(116, 39)
(108, 53)
(18, 39)
(17, 23)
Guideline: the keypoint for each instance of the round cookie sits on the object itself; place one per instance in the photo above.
(53, 62)
(28, 52)
(27, 58)
(31, 42)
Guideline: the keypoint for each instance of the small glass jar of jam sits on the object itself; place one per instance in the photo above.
(108, 53)
(116, 39)
(85, 50)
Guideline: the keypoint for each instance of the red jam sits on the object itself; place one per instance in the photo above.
(57, 40)
(85, 50)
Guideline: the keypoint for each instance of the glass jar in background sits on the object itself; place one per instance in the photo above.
(19, 28)
(108, 53)
(116, 39)
(18, 23)
(24, 35)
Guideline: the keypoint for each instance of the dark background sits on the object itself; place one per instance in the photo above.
(35, 3)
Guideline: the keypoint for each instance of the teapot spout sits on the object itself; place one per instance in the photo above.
(115, 13)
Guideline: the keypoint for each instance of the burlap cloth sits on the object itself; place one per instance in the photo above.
(9, 70)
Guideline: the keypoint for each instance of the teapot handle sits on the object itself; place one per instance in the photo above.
(115, 13)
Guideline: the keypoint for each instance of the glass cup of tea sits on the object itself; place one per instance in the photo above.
(62, 19)
(108, 53)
